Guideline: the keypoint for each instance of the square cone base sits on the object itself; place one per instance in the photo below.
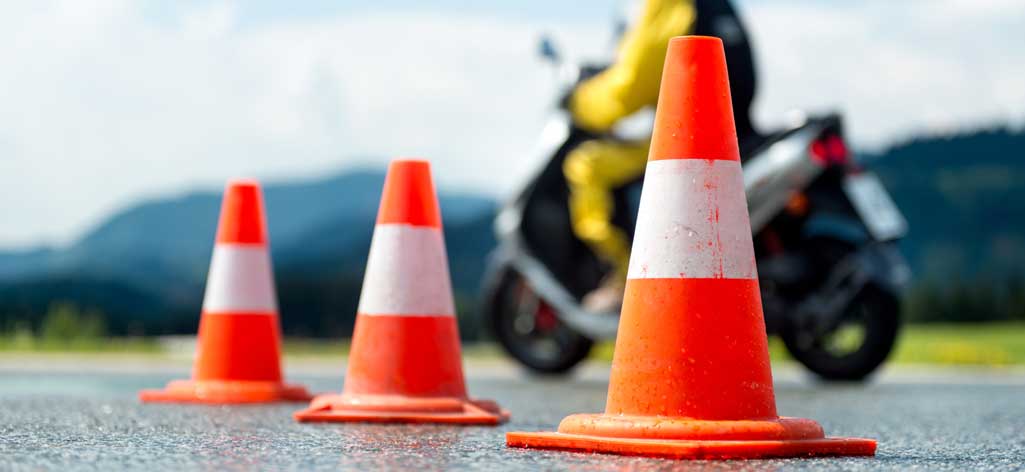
(694, 449)
(216, 392)
(398, 409)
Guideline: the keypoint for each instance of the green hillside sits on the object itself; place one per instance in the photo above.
(963, 195)
(964, 198)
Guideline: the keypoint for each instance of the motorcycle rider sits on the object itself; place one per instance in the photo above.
(598, 166)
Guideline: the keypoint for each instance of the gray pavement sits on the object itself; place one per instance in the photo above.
(61, 417)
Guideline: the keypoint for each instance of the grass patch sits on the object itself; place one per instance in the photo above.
(990, 344)
(987, 344)
(995, 344)
(297, 347)
(321, 348)
(777, 352)
(24, 344)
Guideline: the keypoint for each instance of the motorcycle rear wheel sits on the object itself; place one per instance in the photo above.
(529, 330)
(858, 346)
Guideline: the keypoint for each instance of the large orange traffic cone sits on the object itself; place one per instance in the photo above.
(405, 365)
(239, 344)
(691, 375)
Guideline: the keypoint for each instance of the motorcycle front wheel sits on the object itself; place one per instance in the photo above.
(529, 330)
(858, 346)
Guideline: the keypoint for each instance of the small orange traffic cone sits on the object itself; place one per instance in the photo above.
(690, 374)
(239, 344)
(405, 364)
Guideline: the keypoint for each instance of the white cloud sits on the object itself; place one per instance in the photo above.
(103, 105)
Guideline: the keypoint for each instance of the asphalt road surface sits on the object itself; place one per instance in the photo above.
(67, 417)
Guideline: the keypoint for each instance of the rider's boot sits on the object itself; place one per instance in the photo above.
(608, 297)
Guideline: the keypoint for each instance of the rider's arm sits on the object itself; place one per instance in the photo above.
(632, 82)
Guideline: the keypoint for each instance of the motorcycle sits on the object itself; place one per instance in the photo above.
(825, 232)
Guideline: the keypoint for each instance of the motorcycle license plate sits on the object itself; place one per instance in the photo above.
(875, 207)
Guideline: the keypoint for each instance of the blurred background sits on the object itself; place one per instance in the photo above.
(121, 120)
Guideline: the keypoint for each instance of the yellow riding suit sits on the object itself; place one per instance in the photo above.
(596, 167)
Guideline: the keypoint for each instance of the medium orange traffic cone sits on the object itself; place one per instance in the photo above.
(405, 365)
(238, 351)
(691, 375)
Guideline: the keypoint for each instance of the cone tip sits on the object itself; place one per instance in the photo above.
(243, 182)
(414, 165)
(695, 40)
(694, 117)
(409, 196)
(242, 219)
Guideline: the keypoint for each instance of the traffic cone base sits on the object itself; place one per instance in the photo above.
(426, 368)
(655, 427)
(225, 392)
(405, 364)
(695, 449)
(224, 335)
(402, 409)
(692, 439)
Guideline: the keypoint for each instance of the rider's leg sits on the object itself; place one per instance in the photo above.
(593, 170)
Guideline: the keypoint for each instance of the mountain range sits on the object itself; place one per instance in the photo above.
(964, 198)
(144, 267)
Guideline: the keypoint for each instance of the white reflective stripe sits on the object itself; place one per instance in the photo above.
(240, 280)
(407, 273)
(693, 222)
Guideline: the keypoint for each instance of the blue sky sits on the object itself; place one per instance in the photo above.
(106, 102)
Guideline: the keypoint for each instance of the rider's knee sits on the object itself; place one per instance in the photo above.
(579, 167)
(592, 229)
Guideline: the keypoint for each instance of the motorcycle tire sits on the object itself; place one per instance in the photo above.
(510, 305)
(878, 311)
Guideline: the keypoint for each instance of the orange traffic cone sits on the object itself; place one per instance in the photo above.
(238, 351)
(691, 375)
(405, 365)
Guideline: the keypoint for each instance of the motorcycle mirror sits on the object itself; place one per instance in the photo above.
(547, 49)
(619, 30)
